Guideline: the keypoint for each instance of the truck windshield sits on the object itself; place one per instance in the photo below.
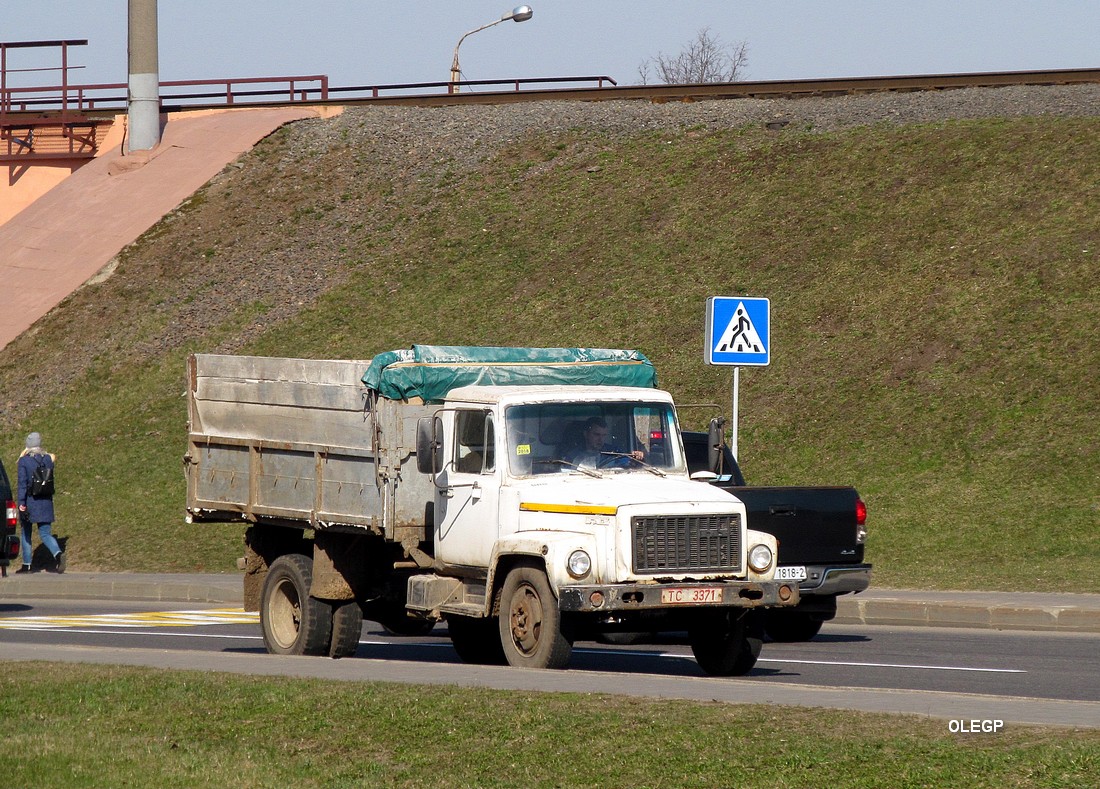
(555, 438)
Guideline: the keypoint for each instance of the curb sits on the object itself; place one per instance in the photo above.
(1068, 613)
(125, 587)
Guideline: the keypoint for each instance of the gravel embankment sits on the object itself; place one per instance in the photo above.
(429, 135)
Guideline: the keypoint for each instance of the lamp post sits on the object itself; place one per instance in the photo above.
(520, 13)
(143, 102)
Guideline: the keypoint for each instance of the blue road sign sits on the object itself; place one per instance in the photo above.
(738, 331)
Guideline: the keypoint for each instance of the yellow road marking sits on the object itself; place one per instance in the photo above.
(216, 616)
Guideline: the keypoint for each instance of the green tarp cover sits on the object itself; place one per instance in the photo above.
(431, 371)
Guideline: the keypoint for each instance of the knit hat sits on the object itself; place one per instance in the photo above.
(34, 441)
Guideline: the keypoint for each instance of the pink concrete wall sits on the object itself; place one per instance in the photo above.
(23, 183)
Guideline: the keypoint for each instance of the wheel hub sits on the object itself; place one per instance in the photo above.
(286, 615)
(526, 620)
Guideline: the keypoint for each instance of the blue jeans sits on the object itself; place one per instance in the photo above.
(45, 533)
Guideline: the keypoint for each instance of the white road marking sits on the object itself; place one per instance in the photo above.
(685, 656)
(893, 665)
(92, 625)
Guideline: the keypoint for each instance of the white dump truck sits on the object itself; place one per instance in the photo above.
(527, 496)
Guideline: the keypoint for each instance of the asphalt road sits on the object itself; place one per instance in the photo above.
(951, 673)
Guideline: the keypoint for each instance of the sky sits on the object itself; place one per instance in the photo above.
(380, 43)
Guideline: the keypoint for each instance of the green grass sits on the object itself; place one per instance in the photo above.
(935, 294)
(82, 726)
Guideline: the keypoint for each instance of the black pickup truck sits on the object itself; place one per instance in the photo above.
(821, 533)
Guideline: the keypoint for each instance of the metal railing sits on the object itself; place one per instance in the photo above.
(250, 90)
(434, 88)
(113, 96)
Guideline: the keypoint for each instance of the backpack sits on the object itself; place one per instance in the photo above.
(41, 482)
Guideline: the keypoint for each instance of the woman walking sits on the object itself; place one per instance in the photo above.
(36, 503)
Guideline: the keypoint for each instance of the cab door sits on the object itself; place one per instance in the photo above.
(468, 491)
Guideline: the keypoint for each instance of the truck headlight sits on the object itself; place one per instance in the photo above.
(760, 558)
(579, 564)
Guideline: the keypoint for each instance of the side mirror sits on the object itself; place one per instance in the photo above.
(429, 445)
(704, 476)
(714, 444)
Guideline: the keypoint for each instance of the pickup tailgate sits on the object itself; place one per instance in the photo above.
(814, 525)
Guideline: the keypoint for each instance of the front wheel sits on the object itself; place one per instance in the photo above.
(293, 623)
(724, 645)
(530, 622)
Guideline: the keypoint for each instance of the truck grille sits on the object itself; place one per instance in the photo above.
(695, 543)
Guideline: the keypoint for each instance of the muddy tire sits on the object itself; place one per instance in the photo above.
(476, 640)
(347, 627)
(791, 626)
(531, 630)
(293, 623)
(724, 645)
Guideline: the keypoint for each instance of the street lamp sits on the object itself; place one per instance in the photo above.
(521, 13)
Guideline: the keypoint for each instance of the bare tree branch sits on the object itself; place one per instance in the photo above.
(704, 59)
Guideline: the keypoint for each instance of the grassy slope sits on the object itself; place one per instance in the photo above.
(934, 296)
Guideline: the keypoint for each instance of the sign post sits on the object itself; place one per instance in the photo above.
(738, 334)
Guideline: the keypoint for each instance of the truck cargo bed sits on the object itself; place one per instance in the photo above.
(297, 442)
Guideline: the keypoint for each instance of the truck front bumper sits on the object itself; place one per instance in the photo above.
(668, 596)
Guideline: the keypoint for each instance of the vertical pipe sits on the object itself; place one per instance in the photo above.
(736, 394)
(144, 76)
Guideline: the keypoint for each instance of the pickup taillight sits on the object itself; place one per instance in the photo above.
(9, 543)
(861, 521)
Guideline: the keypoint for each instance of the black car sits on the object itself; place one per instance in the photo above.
(9, 535)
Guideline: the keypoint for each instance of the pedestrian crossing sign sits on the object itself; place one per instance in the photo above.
(738, 331)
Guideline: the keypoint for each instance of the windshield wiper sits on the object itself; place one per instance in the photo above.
(584, 470)
(642, 463)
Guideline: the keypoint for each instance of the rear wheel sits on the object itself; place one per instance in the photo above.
(293, 623)
(476, 640)
(791, 625)
(347, 627)
(722, 644)
(530, 623)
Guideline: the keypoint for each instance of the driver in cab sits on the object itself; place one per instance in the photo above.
(594, 451)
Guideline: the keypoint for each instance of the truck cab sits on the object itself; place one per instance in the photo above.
(515, 476)
(589, 486)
